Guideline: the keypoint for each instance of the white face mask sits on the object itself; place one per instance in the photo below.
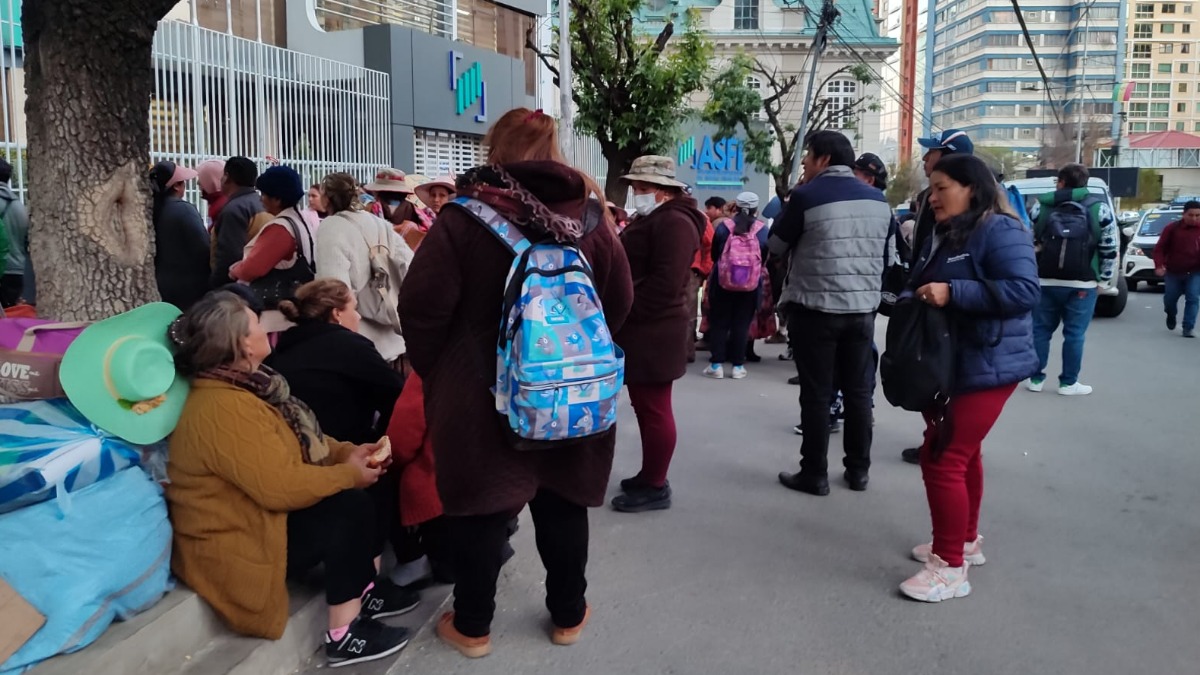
(645, 204)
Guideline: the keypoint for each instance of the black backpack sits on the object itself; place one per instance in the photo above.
(1068, 244)
(917, 366)
(895, 269)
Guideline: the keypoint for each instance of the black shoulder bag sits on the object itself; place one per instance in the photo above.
(279, 285)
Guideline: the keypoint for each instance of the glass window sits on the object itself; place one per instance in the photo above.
(1143, 30)
(1168, 8)
(499, 29)
(1138, 109)
(1183, 67)
(1160, 90)
(1187, 9)
(745, 14)
(1137, 126)
(1158, 126)
(1139, 71)
(1005, 40)
(1141, 51)
(1144, 10)
(1180, 107)
(1168, 48)
(1179, 126)
(1141, 90)
(1160, 109)
(1187, 28)
(1164, 67)
(1182, 87)
(842, 95)
(1167, 28)
(1185, 48)
(997, 110)
(1008, 87)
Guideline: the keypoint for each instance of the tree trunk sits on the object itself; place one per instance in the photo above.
(89, 76)
(619, 161)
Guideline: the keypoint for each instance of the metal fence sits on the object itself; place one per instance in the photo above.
(218, 95)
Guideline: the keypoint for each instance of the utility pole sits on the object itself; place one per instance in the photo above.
(829, 14)
(1087, 18)
(566, 136)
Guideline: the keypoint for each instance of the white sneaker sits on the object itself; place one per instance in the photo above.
(714, 371)
(739, 373)
(972, 552)
(1035, 385)
(1077, 389)
(937, 581)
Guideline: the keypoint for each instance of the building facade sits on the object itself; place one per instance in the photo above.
(321, 85)
(1163, 66)
(779, 35)
(903, 118)
(982, 77)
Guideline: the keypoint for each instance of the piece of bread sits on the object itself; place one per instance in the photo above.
(381, 456)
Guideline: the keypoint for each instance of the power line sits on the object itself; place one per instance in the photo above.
(1036, 60)
(908, 105)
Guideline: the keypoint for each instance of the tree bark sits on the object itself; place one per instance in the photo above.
(619, 161)
(89, 81)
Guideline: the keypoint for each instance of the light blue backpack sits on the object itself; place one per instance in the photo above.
(558, 372)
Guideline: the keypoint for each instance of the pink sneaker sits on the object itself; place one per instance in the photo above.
(937, 582)
(972, 552)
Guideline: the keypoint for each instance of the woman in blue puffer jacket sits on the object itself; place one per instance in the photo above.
(980, 264)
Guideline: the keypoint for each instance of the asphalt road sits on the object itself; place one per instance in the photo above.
(1091, 519)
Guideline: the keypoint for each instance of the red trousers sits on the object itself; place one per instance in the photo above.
(954, 481)
(656, 421)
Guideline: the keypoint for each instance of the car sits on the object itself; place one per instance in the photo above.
(1139, 255)
(1112, 295)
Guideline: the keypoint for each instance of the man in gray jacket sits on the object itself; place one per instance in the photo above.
(231, 229)
(16, 220)
(834, 231)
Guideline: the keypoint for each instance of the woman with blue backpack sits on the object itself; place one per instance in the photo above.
(978, 270)
(553, 374)
(738, 250)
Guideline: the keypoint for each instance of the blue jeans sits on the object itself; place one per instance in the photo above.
(1074, 308)
(1187, 285)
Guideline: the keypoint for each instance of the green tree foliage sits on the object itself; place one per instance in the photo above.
(631, 90)
(904, 182)
(1149, 188)
(734, 108)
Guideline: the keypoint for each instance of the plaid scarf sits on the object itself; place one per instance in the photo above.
(495, 187)
(272, 388)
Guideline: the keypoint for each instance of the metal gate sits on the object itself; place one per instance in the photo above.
(437, 153)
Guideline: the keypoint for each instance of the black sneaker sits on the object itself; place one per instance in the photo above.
(911, 455)
(794, 381)
(1170, 322)
(366, 640)
(387, 599)
(642, 499)
(631, 484)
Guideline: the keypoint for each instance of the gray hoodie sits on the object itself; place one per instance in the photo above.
(12, 211)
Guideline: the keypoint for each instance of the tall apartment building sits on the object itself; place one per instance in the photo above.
(1163, 64)
(983, 79)
(903, 118)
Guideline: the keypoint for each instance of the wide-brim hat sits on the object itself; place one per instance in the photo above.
(654, 169)
(389, 180)
(120, 374)
(423, 189)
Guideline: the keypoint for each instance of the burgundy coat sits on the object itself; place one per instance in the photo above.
(661, 248)
(450, 307)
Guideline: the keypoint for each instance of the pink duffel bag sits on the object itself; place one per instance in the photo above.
(30, 354)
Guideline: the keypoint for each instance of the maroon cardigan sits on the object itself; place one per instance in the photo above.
(661, 248)
(450, 307)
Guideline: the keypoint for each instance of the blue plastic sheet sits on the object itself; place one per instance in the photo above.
(107, 558)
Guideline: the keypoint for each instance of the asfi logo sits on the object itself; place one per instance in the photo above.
(468, 86)
(718, 163)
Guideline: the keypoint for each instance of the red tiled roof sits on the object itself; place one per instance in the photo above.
(1164, 140)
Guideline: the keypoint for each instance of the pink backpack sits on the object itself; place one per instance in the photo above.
(741, 263)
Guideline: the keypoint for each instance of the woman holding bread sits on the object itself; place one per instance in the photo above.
(258, 492)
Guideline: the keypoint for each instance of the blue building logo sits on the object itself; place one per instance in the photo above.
(718, 163)
(468, 87)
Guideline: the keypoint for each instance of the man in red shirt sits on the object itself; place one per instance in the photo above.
(1177, 261)
(701, 267)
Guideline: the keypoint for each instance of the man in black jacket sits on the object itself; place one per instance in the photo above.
(949, 142)
(229, 231)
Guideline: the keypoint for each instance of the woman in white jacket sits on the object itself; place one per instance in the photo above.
(346, 242)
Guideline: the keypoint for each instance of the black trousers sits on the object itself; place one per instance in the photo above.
(385, 495)
(340, 532)
(730, 314)
(11, 286)
(829, 347)
(561, 531)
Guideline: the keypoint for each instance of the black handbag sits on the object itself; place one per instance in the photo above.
(279, 285)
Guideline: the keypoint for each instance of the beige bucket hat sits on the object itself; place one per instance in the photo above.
(389, 180)
(423, 189)
(654, 169)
